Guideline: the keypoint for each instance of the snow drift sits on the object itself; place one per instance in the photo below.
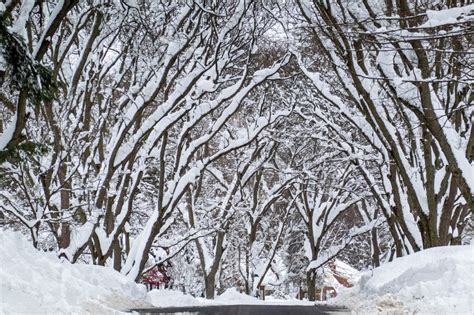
(435, 281)
(36, 282)
(173, 298)
(170, 298)
(231, 296)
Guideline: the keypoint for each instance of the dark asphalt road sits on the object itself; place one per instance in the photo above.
(248, 310)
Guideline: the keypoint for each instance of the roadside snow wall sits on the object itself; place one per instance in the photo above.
(34, 282)
(434, 281)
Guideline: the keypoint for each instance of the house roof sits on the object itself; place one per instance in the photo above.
(339, 274)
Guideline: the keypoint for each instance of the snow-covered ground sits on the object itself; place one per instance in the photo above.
(434, 281)
(32, 282)
(169, 298)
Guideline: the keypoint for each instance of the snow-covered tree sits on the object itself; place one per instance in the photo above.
(400, 86)
(246, 139)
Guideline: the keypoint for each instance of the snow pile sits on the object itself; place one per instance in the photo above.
(435, 281)
(271, 300)
(232, 296)
(34, 282)
(171, 298)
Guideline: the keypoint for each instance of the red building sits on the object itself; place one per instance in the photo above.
(156, 278)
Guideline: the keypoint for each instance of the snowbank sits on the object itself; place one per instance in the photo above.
(232, 296)
(171, 298)
(287, 301)
(34, 282)
(435, 281)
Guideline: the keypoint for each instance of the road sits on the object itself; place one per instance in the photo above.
(248, 310)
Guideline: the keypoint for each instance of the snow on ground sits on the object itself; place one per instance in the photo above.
(292, 301)
(34, 282)
(170, 298)
(232, 296)
(435, 281)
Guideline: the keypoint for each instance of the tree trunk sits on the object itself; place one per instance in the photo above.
(375, 248)
(249, 277)
(117, 255)
(311, 283)
(210, 283)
